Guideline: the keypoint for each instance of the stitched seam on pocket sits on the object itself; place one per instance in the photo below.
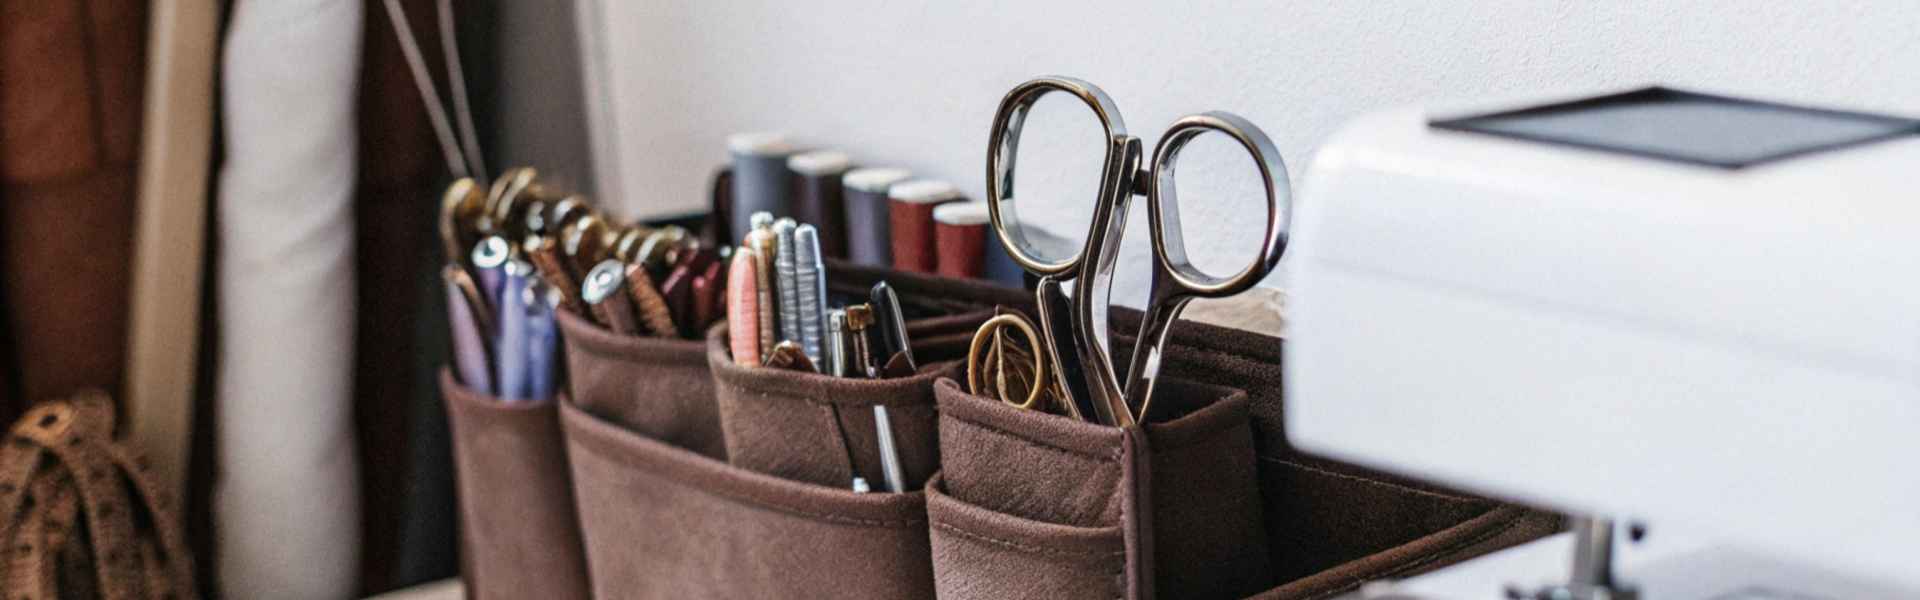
(1195, 436)
(1113, 456)
(915, 409)
(1455, 547)
(1127, 523)
(626, 359)
(1437, 554)
(1024, 547)
(1374, 482)
(1195, 353)
(767, 386)
(1202, 441)
(778, 391)
(754, 502)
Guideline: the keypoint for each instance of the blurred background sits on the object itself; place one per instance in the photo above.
(631, 102)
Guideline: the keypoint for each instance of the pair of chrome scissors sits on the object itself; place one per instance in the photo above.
(1085, 367)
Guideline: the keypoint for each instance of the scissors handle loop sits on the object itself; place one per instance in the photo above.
(1163, 212)
(1003, 146)
(1175, 279)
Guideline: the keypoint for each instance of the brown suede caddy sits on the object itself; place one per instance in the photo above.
(668, 471)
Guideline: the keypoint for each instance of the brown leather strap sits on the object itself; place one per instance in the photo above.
(29, 567)
(105, 504)
(73, 565)
(60, 464)
(18, 460)
(174, 559)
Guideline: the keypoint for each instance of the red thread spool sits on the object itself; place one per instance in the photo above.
(960, 239)
(910, 212)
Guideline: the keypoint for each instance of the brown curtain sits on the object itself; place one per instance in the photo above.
(71, 77)
(405, 470)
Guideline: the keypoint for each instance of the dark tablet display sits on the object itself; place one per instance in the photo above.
(1687, 127)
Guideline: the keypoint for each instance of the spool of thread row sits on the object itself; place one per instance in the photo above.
(818, 198)
(911, 212)
(869, 231)
(761, 181)
(966, 246)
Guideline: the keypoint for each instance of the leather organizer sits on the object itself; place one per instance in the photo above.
(695, 477)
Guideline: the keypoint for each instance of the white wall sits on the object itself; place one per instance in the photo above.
(915, 83)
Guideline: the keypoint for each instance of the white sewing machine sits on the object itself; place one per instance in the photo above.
(1692, 312)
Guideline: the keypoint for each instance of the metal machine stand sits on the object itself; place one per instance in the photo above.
(1592, 575)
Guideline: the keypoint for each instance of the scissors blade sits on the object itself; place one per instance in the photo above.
(1057, 326)
(1094, 280)
(1143, 368)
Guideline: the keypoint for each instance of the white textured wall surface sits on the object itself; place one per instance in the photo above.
(915, 83)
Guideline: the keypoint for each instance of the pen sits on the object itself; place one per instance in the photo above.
(490, 255)
(469, 339)
(743, 308)
(889, 455)
(509, 201)
(706, 296)
(787, 283)
(703, 299)
(647, 301)
(697, 257)
(787, 355)
(509, 183)
(859, 320)
(564, 212)
(460, 208)
(892, 324)
(552, 268)
(658, 250)
(605, 293)
(542, 343)
(810, 276)
(723, 258)
(534, 220)
(836, 342)
(583, 243)
(678, 292)
(510, 342)
(761, 241)
(626, 245)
